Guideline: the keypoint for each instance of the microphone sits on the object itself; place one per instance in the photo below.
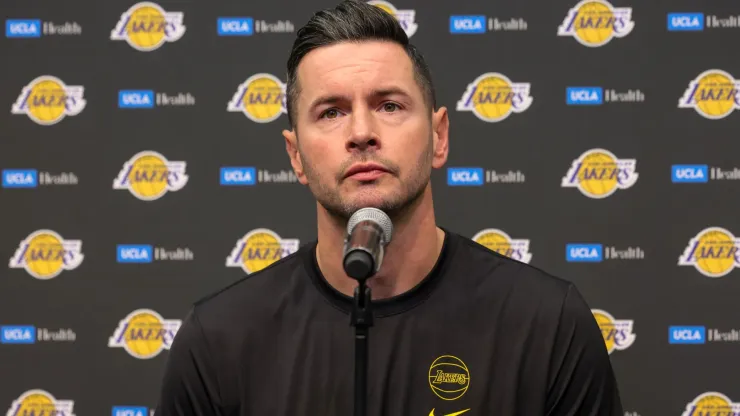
(369, 230)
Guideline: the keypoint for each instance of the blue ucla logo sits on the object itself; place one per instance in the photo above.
(584, 253)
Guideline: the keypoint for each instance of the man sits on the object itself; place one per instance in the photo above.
(458, 328)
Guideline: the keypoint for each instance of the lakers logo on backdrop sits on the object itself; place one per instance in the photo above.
(47, 100)
(500, 242)
(44, 254)
(148, 176)
(147, 26)
(714, 94)
(598, 173)
(617, 333)
(492, 97)
(711, 403)
(405, 17)
(144, 334)
(261, 98)
(40, 403)
(595, 23)
(713, 252)
(260, 248)
(449, 377)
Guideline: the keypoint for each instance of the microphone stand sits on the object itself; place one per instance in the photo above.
(362, 319)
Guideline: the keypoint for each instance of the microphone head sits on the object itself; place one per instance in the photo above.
(375, 215)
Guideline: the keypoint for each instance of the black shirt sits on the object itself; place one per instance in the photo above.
(482, 334)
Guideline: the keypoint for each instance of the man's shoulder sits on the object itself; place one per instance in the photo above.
(488, 268)
(255, 290)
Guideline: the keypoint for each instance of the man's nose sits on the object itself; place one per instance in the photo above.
(362, 136)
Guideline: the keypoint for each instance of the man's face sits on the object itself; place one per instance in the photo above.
(366, 137)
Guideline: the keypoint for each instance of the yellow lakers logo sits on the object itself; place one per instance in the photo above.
(144, 334)
(47, 100)
(711, 403)
(598, 173)
(146, 26)
(594, 23)
(406, 18)
(449, 377)
(260, 248)
(148, 176)
(261, 98)
(714, 94)
(41, 403)
(45, 254)
(500, 242)
(713, 252)
(617, 333)
(492, 97)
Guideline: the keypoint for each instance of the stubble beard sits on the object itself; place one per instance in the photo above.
(396, 205)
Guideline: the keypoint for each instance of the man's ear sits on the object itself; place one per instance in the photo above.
(291, 146)
(441, 138)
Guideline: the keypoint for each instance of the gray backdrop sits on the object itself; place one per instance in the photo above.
(586, 171)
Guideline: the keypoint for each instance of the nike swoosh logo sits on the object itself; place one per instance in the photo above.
(450, 414)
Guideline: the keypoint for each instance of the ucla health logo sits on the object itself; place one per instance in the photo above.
(617, 333)
(713, 252)
(714, 94)
(687, 335)
(40, 402)
(146, 253)
(468, 24)
(492, 97)
(146, 26)
(591, 253)
(131, 411)
(47, 100)
(405, 17)
(260, 248)
(598, 173)
(148, 176)
(247, 26)
(29, 334)
(702, 173)
(149, 99)
(595, 23)
(44, 254)
(144, 334)
(685, 22)
(500, 242)
(32, 178)
(584, 96)
(711, 403)
(261, 98)
(478, 176)
(33, 28)
(238, 176)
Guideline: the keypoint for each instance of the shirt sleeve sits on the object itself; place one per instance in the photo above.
(189, 385)
(582, 381)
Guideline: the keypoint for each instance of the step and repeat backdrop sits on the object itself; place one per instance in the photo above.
(143, 168)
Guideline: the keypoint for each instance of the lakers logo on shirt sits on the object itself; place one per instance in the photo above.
(598, 173)
(44, 254)
(260, 248)
(405, 17)
(500, 242)
(617, 333)
(144, 334)
(595, 23)
(712, 403)
(40, 402)
(714, 94)
(449, 377)
(713, 252)
(47, 100)
(492, 97)
(148, 176)
(261, 98)
(147, 26)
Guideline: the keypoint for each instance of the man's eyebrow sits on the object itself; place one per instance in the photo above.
(377, 93)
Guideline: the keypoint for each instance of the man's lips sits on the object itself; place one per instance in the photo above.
(366, 171)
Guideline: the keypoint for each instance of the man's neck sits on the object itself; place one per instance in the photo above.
(411, 255)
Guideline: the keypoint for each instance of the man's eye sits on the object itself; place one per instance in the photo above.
(390, 107)
(330, 113)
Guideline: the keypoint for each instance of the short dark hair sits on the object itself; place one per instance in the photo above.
(352, 21)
